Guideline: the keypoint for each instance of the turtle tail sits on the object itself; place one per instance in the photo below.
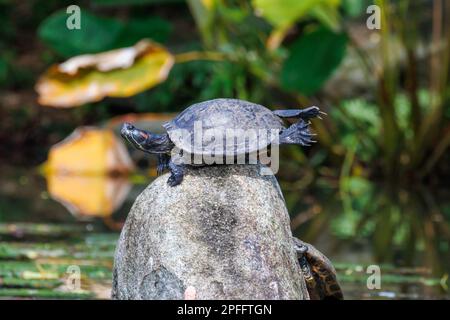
(298, 133)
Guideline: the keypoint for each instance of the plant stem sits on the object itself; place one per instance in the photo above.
(387, 86)
(443, 144)
(199, 55)
(432, 123)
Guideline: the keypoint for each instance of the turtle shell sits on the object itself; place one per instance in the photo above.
(224, 127)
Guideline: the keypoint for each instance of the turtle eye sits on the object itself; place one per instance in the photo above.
(139, 136)
(125, 130)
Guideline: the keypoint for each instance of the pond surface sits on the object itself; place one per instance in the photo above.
(52, 228)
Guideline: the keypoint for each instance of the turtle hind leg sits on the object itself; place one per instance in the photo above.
(176, 173)
(163, 163)
(298, 133)
(305, 114)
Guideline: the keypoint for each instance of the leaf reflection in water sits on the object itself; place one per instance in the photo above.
(89, 196)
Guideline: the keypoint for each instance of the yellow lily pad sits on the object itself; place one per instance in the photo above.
(85, 172)
(87, 195)
(117, 73)
(89, 150)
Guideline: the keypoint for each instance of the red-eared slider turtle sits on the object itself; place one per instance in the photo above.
(319, 273)
(204, 129)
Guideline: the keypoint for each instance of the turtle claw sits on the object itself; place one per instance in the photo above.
(307, 140)
(301, 249)
(298, 133)
(173, 181)
(321, 113)
(176, 174)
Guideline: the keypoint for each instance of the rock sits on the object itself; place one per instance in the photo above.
(223, 233)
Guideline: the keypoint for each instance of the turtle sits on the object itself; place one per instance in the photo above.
(176, 147)
(318, 271)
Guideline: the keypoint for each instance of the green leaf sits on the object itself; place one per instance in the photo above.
(327, 15)
(96, 34)
(312, 59)
(357, 186)
(134, 30)
(132, 2)
(3, 70)
(99, 34)
(283, 13)
(355, 8)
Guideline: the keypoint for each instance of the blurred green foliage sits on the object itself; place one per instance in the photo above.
(99, 33)
(312, 59)
(394, 124)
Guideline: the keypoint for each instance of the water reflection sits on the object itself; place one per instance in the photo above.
(362, 223)
(87, 172)
(89, 196)
(405, 232)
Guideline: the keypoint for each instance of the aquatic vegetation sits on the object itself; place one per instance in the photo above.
(40, 270)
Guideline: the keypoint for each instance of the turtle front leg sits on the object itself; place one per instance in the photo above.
(176, 173)
(163, 163)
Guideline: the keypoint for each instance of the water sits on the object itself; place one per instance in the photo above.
(50, 227)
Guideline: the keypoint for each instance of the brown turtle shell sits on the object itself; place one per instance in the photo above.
(319, 273)
(254, 125)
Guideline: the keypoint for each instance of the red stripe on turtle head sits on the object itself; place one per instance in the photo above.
(143, 134)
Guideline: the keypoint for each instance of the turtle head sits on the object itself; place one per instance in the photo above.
(137, 137)
(146, 141)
